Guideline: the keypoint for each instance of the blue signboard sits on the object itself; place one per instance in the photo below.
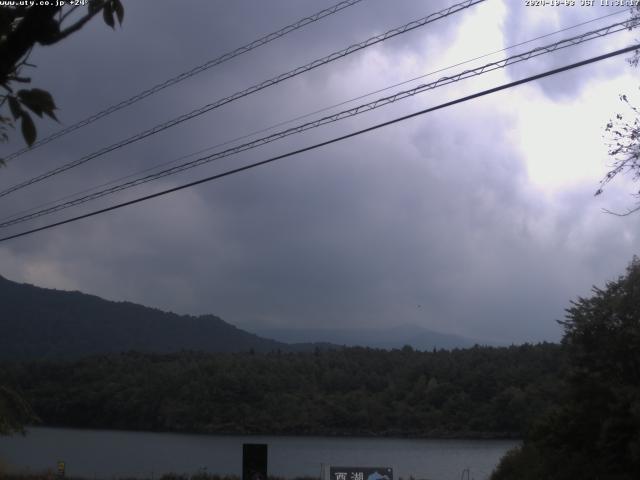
(360, 473)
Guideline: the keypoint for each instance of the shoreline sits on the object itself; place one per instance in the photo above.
(470, 435)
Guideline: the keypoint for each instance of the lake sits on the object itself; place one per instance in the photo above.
(111, 454)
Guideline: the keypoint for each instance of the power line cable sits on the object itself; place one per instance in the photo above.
(576, 40)
(183, 76)
(404, 82)
(306, 115)
(331, 141)
(300, 117)
(330, 119)
(273, 81)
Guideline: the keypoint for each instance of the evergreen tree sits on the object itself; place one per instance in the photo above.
(596, 431)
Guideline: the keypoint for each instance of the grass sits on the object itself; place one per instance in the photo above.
(49, 475)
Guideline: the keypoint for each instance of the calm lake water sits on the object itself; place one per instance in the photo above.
(111, 454)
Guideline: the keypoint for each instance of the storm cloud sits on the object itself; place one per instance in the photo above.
(482, 214)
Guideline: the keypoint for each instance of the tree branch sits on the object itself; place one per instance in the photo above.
(33, 28)
(79, 24)
(67, 13)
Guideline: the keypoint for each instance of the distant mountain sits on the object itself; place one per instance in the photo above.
(418, 337)
(43, 323)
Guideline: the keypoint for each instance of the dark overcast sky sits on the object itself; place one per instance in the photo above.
(482, 213)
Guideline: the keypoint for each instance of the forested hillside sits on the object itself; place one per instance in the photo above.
(594, 431)
(475, 392)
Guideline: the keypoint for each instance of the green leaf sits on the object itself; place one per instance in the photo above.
(31, 101)
(38, 101)
(28, 129)
(117, 5)
(43, 98)
(52, 115)
(107, 14)
(14, 106)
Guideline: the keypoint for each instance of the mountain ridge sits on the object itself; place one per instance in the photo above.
(45, 323)
(415, 336)
(42, 323)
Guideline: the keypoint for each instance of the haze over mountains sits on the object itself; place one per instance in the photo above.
(40, 323)
(416, 336)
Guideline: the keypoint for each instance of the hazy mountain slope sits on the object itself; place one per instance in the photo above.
(416, 336)
(43, 323)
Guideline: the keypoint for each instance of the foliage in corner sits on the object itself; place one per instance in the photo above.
(596, 431)
(15, 412)
(21, 29)
(623, 135)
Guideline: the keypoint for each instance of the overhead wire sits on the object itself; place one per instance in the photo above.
(329, 142)
(380, 102)
(190, 73)
(306, 115)
(268, 83)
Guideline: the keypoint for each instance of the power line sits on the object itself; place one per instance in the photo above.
(306, 115)
(268, 83)
(183, 76)
(328, 142)
(572, 41)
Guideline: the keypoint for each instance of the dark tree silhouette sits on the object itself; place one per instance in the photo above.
(595, 433)
(15, 412)
(21, 29)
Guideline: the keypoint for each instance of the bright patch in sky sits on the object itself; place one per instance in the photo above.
(484, 26)
(562, 141)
